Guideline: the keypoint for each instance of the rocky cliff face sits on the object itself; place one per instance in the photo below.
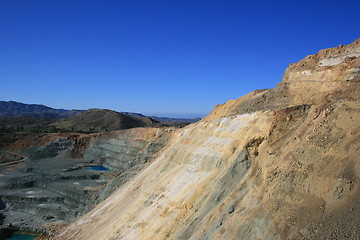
(126, 152)
(329, 65)
(65, 175)
(281, 163)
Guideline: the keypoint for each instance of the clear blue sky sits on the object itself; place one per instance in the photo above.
(169, 58)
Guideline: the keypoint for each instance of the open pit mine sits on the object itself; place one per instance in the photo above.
(281, 163)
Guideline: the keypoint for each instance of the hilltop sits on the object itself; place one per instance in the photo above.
(100, 120)
(16, 116)
(10, 109)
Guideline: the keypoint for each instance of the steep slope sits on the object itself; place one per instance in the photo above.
(281, 163)
(100, 120)
(66, 174)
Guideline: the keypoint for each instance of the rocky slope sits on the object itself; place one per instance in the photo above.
(61, 176)
(281, 163)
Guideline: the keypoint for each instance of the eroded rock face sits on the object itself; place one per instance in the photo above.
(126, 152)
(281, 163)
(51, 186)
(329, 65)
(306, 82)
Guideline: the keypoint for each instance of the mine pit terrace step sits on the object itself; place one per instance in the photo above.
(31, 195)
(79, 176)
(77, 190)
(47, 211)
(27, 221)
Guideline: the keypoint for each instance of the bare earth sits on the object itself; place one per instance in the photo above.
(281, 163)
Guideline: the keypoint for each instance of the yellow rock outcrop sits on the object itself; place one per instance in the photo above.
(281, 163)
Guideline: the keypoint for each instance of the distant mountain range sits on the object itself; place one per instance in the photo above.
(166, 120)
(22, 110)
(12, 109)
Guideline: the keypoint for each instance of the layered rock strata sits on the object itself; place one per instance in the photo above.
(281, 163)
(50, 186)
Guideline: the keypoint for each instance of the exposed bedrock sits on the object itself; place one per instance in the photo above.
(309, 81)
(126, 152)
(281, 163)
(336, 64)
(51, 187)
(123, 150)
(52, 150)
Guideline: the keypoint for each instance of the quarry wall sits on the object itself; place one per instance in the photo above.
(275, 164)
